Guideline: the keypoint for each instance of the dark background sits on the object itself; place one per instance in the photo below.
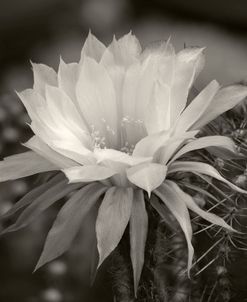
(41, 31)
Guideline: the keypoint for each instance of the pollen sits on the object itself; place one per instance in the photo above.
(127, 148)
(99, 141)
(131, 130)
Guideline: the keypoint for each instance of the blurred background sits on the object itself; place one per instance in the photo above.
(41, 31)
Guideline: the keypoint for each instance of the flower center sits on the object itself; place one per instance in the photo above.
(130, 132)
(127, 148)
(98, 140)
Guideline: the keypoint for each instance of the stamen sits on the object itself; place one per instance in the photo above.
(127, 148)
(107, 127)
(99, 141)
(127, 124)
(130, 129)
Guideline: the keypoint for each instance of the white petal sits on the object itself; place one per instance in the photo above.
(41, 203)
(140, 83)
(114, 155)
(32, 101)
(72, 151)
(201, 168)
(24, 164)
(138, 235)
(187, 65)
(113, 217)
(68, 77)
(60, 105)
(158, 117)
(88, 173)
(33, 194)
(124, 51)
(161, 209)
(151, 144)
(175, 75)
(117, 74)
(68, 222)
(119, 162)
(66, 134)
(224, 100)
(92, 48)
(158, 49)
(147, 146)
(43, 75)
(205, 142)
(137, 91)
(42, 121)
(197, 107)
(37, 145)
(120, 178)
(62, 133)
(190, 203)
(171, 199)
(165, 153)
(97, 100)
(147, 176)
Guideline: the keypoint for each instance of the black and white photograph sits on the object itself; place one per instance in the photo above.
(123, 151)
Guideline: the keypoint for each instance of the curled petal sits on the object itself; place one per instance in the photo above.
(114, 155)
(165, 153)
(188, 63)
(190, 203)
(171, 199)
(197, 107)
(201, 168)
(161, 209)
(120, 178)
(205, 142)
(88, 173)
(150, 144)
(224, 100)
(147, 176)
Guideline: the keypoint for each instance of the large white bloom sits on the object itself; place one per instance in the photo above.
(117, 123)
